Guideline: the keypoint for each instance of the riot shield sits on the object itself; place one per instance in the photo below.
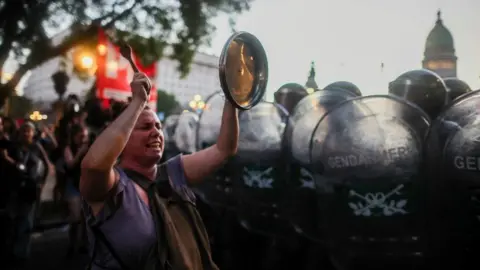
(304, 118)
(210, 120)
(185, 132)
(302, 122)
(217, 190)
(452, 157)
(259, 169)
(169, 126)
(366, 161)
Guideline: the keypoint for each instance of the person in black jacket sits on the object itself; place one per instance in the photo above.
(73, 154)
(29, 164)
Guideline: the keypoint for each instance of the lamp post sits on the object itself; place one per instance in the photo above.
(37, 116)
(197, 104)
(84, 60)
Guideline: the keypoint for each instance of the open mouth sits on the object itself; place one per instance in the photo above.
(155, 145)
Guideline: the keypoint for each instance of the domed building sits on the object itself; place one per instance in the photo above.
(439, 55)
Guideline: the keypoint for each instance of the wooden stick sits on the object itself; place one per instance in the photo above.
(126, 52)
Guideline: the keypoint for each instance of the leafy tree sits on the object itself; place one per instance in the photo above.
(27, 28)
(166, 102)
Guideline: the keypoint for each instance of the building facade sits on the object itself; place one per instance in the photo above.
(203, 79)
(439, 55)
(39, 85)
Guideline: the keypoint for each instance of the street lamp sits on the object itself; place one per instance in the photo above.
(101, 49)
(84, 60)
(37, 116)
(197, 104)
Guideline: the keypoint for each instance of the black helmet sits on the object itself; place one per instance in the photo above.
(289, 94)
(422, 87)
(345, 86)
(456, 87)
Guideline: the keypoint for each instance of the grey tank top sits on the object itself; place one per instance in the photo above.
(128, 224)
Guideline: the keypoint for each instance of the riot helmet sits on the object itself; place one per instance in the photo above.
(423, 88)
(345, 86)
(456, 88)
(289, 94)
(185, 132)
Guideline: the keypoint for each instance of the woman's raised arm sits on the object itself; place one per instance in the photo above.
(98, 176)
(200, 164)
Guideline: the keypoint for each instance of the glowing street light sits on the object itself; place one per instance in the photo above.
(86, 62)
(101, 49)
(197, 104)
(37, 116)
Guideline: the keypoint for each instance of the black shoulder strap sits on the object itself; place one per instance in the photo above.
(153, 189)
(143, 182)
(99, 236)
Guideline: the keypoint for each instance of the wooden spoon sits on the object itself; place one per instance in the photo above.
(126, 52)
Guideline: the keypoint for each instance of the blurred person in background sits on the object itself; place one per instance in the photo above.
(47, 138)
(29, 166)
(9, 127)
(5, 222)
(73, 154)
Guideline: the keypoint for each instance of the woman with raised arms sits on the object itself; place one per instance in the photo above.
(120, 208)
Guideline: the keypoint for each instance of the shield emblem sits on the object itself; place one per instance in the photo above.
(302, 198)
(453, 162)
(217, 190)
(185, 132)
(366, 158)
(259, 168)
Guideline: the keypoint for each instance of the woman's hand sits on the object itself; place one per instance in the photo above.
(141, 86)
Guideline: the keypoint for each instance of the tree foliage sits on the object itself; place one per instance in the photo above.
(27, 28)
(166, 102)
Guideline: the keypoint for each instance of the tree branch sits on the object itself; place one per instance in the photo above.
(82, 34)
(5, 48)
(17, 76)
(124, 13)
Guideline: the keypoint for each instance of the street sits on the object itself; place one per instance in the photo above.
(49, 252)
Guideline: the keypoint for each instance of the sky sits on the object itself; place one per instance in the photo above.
(349, 39)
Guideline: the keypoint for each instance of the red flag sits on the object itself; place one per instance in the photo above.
(114, 72)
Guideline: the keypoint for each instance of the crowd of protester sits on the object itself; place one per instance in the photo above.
(31, 151)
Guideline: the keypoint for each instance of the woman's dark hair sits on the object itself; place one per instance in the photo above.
(118, 107)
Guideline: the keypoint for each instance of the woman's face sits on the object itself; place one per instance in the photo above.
(81, 137)
(146, 143)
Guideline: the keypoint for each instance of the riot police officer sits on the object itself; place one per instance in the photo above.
(345, 86)
(456, 88)
(289, 94)
(421, 87)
